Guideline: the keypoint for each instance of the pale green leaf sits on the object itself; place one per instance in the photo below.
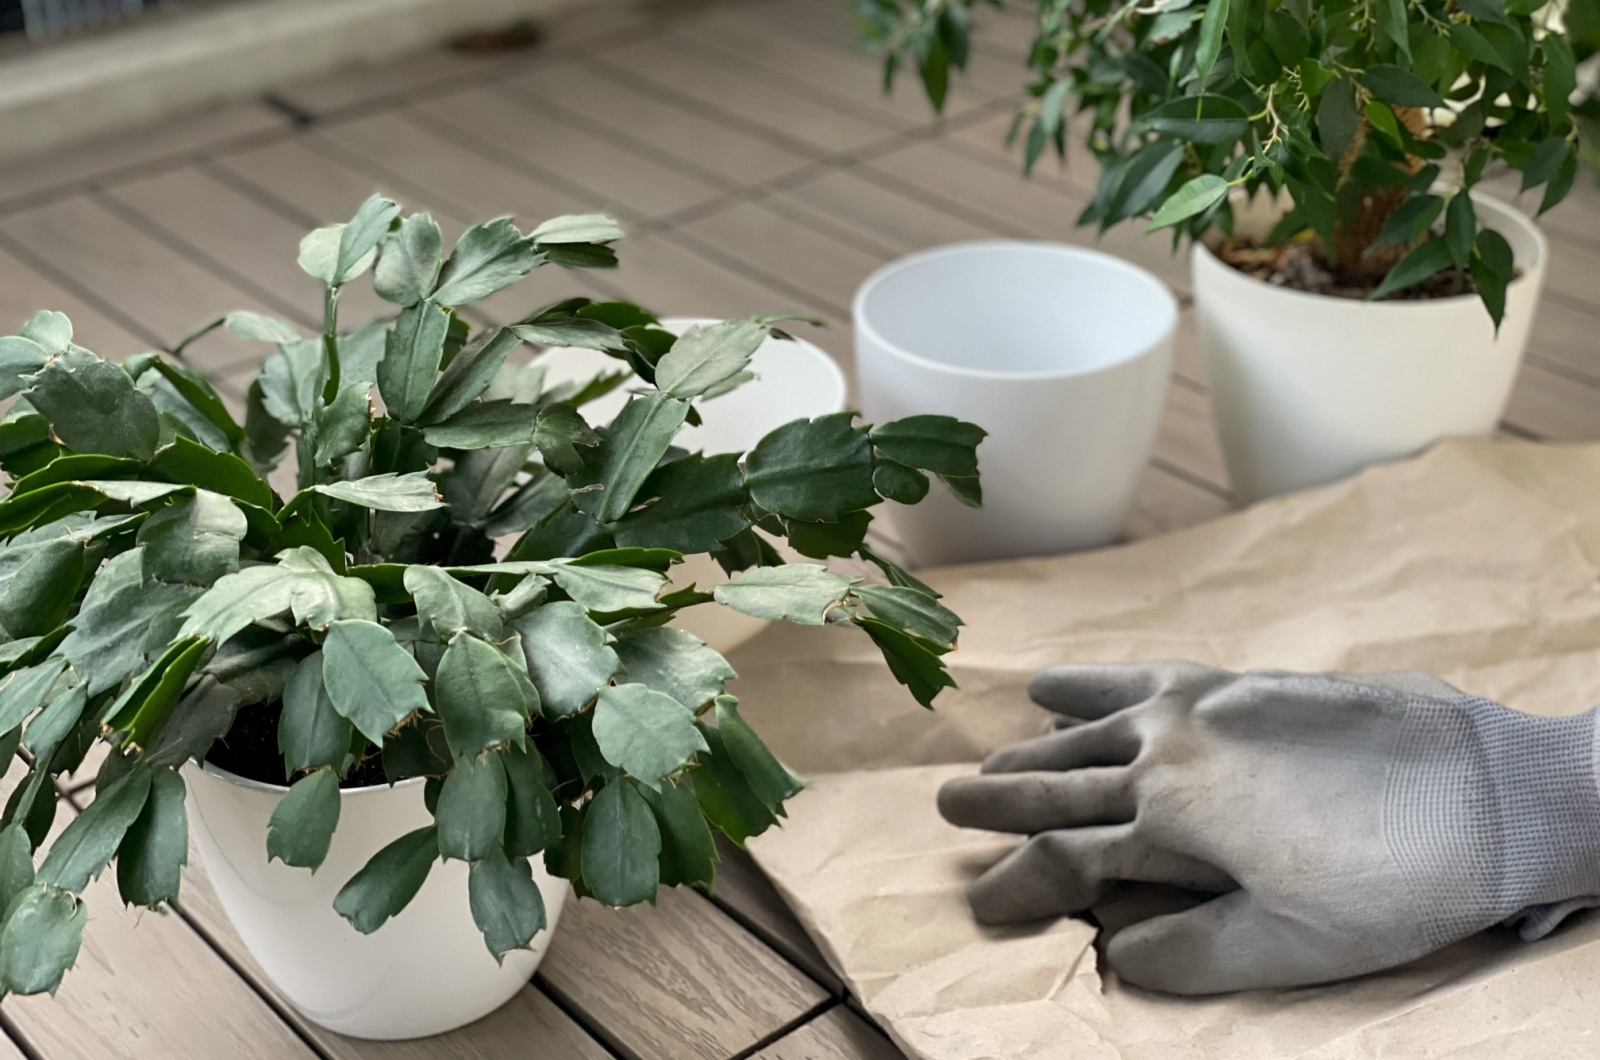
(647, 733)
(370, 678)
(795, 592)
(568, 655)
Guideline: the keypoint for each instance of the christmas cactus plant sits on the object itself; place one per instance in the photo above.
(157, 595)
(1373, 119)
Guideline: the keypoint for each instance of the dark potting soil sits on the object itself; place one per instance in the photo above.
(250, 750)
(1302, 267)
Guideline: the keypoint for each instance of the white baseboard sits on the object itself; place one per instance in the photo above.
(72, 90)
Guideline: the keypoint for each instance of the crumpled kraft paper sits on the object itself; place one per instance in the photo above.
(1479, 561)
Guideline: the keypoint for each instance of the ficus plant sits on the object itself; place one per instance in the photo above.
(1371, 120)
(155, 589)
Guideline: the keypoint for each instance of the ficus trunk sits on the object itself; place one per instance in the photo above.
(1377, 205)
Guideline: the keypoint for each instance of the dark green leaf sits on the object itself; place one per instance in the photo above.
(412, 492)
(445, 606)
(1423, 261)
(568, 656)
(39, 940)
(533, 823)
(912, 662)
(821, 540)
(694, 504)
(16, 863)
(768, 778)
(388, 882)
(311, 731)
(486, 258)
(52, 724)
(1545, 162)
(813, 470)
(86, 845)
(24, 691)
(1402, 87)
(725, 795)
(1560, 184)
(193, 541)
(302, 824)
(371, 679)
(410, 364)
(621, 846)
(631, 447)
(1409, 221)
(123, 623)
(1209, 44)
(1337, 120)
(647, 733)
(896, 482)
(676, 662)
(469, 375)
(486, 424)
(794, 592)
(192, 464)
(471, 815)
(408, 265)
(1142, 183)
(484, 699)
(1560, 76)
(943, 445)
(37, 592)
(506, 903)
(19, 358)
(93, 406)
(1460, 227)
(1492, 270)
(913, 611)
(301, 582)
(1392, 19)
(1200, 119)
(688, 853)
(144, 708)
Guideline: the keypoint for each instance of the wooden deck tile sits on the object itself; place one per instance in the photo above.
(23, 290)
(397, 149)
(842, 199)
(700, 145)
(1166, 502)
(675, 981)
(743, 97)
(8, 1048)
(593, 169)
(838, 1034)
(742, 889)
(147, 281)
(72, 169)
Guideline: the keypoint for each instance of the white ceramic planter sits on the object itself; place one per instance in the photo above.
(1308, 388)
(1060, 352)
(424, 972)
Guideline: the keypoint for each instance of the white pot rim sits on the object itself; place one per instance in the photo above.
(1505, 212)
(869, 286)
(278, 789)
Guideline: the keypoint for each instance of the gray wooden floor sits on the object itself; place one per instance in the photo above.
(748, 152)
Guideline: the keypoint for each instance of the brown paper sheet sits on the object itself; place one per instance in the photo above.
(1479, 562)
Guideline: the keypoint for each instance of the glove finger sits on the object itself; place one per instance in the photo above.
(1109, 742)
(1229, 943)
(1096, 690)
(1029, 803)
(1067, 871)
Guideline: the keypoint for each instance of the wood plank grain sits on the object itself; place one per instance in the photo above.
(529, 1025)
(146, 280)
(435, 70)
(788, 254)
(146, 985)
(842, 198)
(1167, 502)
(396, 149)
(678, 980)
(743, 890)
(1188, 437)
(740, 96)
(597, 171)
(8, 1048)
(255, 247)
(838, 1034)
(69, 171)
(715, 151)
(1566, 335)
(1548, 405)
(23, 291)
(986, 193)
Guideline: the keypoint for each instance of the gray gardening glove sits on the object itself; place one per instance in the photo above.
(1346, 824)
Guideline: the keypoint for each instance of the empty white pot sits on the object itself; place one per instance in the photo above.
(424, 972)
(1309, 388)
(1060, 352)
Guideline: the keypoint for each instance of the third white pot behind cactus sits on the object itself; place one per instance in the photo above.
(1309, 388)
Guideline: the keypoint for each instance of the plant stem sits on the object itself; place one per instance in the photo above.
(330, 344)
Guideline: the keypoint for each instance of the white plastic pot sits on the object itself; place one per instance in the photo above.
(1309, 388)
(424, 972)
(1061, 353)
